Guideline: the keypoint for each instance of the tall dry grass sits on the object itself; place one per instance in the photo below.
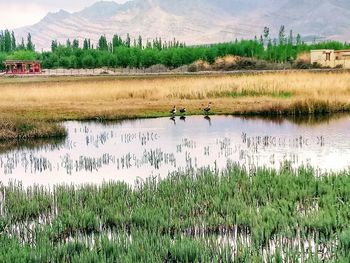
(68, 98)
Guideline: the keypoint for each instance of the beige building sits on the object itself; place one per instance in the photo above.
(331, 58)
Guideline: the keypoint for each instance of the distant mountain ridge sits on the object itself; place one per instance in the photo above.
(194, 21)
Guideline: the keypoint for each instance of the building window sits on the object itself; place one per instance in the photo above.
(328, 56)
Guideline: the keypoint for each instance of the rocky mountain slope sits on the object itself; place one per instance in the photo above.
(195, 21)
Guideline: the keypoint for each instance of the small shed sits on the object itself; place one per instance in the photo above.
(22, 67)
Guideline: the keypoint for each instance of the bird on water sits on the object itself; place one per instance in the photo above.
(173, 111)
(183, 110)
(207, 109)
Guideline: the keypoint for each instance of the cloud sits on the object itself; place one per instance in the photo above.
(22, 12)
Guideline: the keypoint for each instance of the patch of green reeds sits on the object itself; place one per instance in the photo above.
(235, 216)
(20, 129)
(249, 93)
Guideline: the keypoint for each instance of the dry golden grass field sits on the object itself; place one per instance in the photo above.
(79, 98)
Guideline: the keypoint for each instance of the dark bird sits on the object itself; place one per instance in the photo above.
(173, 111)
(183, 110)
(207, 109)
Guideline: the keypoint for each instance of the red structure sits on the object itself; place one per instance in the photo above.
(22, 67)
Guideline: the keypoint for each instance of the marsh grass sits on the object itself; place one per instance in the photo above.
(260, 216)
(68, 98)
(42, 102)
(20, 129)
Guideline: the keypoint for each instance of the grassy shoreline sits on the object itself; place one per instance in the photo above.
(51, 100)
(201, 216)
(23, 130)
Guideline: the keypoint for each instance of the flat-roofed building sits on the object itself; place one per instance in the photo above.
(331, 58)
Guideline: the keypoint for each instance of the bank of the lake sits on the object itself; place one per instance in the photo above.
(202, 216)
(44, 101)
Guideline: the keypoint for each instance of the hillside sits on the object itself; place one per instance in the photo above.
(195, 21)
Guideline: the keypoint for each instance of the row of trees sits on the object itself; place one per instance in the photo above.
(136, 53)
(9, 44)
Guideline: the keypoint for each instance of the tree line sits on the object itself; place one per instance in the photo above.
(137, 53)
(9, 44)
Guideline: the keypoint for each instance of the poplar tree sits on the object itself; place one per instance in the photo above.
(139, 44)
(128, 40)
(75, 43)
(30, 46)
(282, 35)
(54, 45)
(102, 43)
(7, 42)
(13, 41)
(86, 44)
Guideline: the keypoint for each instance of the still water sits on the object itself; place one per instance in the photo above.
(126, 151)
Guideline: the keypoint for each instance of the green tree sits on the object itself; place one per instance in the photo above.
(30, 45)
(23, 55)
(298, 40)
(86, 44)
(282, 35)
(68, 43)
(22, 45)
(102, 43)
(7, 42)
(139, 42)
(64, 62)
(75, 43)
(13, 41)
(128, 40)
(2, 59)
(54, 45)
(88, 61)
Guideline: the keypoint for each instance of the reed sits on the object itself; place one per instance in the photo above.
(21, 129)
(234, 216)
(68, 98)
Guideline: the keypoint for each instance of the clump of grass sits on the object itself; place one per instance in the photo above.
(20, 129)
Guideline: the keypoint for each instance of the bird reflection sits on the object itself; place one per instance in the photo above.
(208, 119)
(173, 120)
(183, 118)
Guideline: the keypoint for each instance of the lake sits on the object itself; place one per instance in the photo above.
(132, 150)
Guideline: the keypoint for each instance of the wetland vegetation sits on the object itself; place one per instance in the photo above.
(192, 216)
(43, 102)
(201, 212)
(74, 98)
(19, 129)
(259, 215)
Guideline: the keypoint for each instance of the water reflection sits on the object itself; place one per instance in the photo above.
(11, 145)
(208, 119)
(96, 152)
(173, 119)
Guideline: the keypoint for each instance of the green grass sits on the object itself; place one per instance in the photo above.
(180, 219)
(250, 93)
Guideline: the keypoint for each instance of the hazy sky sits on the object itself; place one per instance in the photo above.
(23, 12)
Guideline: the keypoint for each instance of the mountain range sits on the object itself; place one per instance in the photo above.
(194, 21)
